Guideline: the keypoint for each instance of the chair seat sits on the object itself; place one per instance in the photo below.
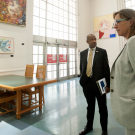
(30, 91)
(5, 98)
(1, 91)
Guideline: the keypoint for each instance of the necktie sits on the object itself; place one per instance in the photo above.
(89, 64)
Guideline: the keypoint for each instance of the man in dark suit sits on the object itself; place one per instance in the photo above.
(93, 67)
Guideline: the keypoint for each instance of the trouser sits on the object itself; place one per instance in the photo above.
(91, 93)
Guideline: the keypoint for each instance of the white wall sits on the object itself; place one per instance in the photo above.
(101, 8)
(88, 9)
(84, 25)
(22, 53)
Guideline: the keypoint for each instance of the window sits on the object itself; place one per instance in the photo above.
(55, 18)
(39, 14)
(130, 4)
(51, 68)
(37, 56)
(72, 61)
(63, 65)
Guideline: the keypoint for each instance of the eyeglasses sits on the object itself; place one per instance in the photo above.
(116, 22)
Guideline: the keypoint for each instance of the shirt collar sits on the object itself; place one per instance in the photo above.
(93, 48)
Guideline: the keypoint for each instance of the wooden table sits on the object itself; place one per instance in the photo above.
(18, 83)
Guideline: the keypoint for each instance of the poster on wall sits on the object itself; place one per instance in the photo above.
(62, 58)
(103, 27)
(6, 44)
(51, 58)
(13, 12)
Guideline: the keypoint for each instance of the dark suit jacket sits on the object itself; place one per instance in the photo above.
(100, 67)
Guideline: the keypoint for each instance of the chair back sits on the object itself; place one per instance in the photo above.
(29, 70)
(41, 70)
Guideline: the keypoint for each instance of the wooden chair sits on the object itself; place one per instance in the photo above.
(5, 98)
(41, 70)
(28, 73)
(29, 70)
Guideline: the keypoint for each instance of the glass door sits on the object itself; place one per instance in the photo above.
(51, 62)
(72, 62)
(60, 60)
(38, 57)
(63, 63)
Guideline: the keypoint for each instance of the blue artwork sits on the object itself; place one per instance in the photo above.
(6, 45)
(112, 35)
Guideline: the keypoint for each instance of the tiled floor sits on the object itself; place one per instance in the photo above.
(64, 113)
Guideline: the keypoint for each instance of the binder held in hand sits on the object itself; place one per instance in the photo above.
(102, 85)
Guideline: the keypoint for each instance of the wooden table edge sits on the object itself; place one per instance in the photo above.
(7, 87)
(27, 86)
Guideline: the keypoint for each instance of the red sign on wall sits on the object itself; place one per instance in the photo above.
(51, 58)
(62, 58)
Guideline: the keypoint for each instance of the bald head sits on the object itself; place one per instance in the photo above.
(89, 36)
(91, 40)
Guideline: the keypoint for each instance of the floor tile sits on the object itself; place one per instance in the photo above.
(64, 113)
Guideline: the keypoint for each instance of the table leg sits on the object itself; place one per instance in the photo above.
(18, 104)
(41, 88)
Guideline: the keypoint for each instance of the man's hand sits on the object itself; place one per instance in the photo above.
(107, 90)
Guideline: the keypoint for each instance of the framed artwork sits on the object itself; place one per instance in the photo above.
(103, 27)
(13, 12)
(6, 45)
